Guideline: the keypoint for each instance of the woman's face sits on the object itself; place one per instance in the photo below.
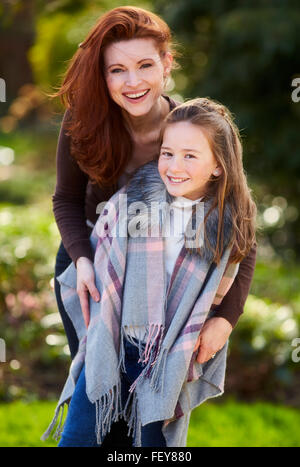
(135, 72)
(186, 161)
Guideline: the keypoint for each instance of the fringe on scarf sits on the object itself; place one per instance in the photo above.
(151, 354)
(108, 411)
(153, 337)
(60, 426)
(132, 417)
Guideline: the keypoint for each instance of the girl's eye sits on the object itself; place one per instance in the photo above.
(166, 154)
(146, 65)
(190, 156)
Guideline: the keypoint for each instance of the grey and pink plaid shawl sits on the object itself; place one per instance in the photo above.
(131, 278)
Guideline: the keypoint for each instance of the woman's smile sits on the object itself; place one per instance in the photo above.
(136, 97)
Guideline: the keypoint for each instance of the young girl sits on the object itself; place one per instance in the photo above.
(167, 249)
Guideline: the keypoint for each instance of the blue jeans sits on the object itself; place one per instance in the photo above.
(79, 430)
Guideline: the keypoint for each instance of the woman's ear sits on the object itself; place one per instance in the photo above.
(168, 60)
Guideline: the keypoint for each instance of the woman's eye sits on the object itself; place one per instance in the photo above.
(166, 154)
(118, 70)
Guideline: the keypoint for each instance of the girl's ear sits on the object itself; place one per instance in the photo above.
(217, 171)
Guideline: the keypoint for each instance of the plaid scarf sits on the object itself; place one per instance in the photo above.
(131, 278)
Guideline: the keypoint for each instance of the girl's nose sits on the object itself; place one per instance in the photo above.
(177, 165)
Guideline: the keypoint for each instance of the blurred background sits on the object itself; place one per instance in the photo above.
(244, 53)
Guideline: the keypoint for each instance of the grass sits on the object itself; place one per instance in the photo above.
(215, 424)
(236, 424)
(23, 424)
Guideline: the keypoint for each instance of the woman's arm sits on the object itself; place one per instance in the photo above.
(69, 213)
(232, 305)
(217, 329)
(69, 201)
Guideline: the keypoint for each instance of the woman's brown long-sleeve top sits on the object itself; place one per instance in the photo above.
(74, 206)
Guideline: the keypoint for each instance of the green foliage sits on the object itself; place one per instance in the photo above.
(33, 333)
(261, 351)
(261, 345)
(277, 282)
(30, 323)
(26, 187)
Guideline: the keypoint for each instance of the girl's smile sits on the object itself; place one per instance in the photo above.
(186, 161)
(176, 180)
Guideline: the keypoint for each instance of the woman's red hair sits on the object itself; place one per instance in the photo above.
(100, 143)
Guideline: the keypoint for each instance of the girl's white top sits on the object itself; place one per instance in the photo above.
(181, 211)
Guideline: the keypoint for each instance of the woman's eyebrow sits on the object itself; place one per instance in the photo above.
(120, 64)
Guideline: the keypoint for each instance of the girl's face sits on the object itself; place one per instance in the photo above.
(186, 161)
(135, 74)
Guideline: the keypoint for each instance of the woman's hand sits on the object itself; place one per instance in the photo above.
(212, 338)
(86, 286)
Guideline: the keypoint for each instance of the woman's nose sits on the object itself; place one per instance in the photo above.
(132, 79)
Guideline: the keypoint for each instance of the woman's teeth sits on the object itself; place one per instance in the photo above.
(177, 180)
(137, 95)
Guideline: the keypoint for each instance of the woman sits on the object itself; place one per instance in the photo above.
(113, 89)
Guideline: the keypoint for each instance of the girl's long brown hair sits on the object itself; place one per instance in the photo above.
(231, 186)
(100, 142)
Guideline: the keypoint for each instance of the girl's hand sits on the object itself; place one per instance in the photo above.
(86, 286)
(212, 338)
